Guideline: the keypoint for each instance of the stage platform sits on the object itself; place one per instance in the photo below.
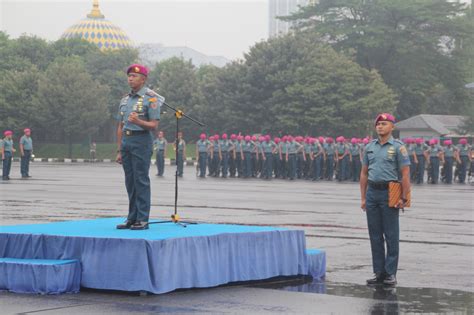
(167, 256)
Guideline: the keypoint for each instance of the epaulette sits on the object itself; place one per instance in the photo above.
(150, 92)
(399, 141)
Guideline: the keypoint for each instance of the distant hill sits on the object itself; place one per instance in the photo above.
(153, 53)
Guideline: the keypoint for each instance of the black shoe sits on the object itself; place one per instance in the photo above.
(139, 226)
(377, 279)
(390, 280)
(5, 178)
(126, 225)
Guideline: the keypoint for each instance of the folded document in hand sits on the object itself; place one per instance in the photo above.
(395, 194)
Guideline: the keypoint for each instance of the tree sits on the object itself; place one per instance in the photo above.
(175, 79)
(71, 103)
(33, 49)
(410, 43)
(18, 92)
(294, 84)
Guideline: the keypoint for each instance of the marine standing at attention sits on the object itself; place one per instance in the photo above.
(26, 150)
(7, 154)
(385, 160)
(160, 144)
(139, 114)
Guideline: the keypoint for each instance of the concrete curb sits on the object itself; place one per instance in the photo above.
(189, 161)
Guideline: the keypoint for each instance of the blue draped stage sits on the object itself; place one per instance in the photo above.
(167, 256)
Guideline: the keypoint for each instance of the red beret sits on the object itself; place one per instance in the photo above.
(137, 68)
(8, 133)
(385, 117)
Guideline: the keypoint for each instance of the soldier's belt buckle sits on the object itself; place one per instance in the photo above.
(128, 132)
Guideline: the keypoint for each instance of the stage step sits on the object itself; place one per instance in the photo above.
(43, 276)
(316, 263)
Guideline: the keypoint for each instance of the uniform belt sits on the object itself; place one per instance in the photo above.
(130, 133)
(378, 185)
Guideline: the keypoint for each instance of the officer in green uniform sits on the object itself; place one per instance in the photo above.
(300, 157)
(268, 148)
(26, 150)
(342, 158)
(255, 157)
(449, 151)
(139, 114)
(385, 159)
(323, 144)
(277, 157)
(463, 158)
(232, 156)
(247, 149)
(433, 154)
(317, 154)
(410, 144)
(419, 149)
(293, 148)
(216, 157)
(330, 158)
(238, 156)
(203, 147)
(355, 152)
(7, 154)
(160, 144)
(308, 160)
(181, 153)
(284, 163)
(226, 147)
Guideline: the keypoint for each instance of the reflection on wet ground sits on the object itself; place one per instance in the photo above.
(393, 300)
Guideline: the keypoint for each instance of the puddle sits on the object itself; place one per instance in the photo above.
(391, 300)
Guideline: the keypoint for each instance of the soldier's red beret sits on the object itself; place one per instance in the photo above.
(385, 117)
(137, 68)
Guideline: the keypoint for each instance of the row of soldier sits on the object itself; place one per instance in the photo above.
(287, 157)
(311, 158)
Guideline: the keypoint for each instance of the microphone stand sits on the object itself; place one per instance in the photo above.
(175, 218)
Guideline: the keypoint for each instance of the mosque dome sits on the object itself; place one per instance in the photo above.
(97, 30)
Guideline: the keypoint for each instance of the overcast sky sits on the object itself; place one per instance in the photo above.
(215, 27)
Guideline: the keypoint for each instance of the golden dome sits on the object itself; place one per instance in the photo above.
(96, 29)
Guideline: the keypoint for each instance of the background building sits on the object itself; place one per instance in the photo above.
(99, 31)
(150, 54)
(278, 8)
(431, 126)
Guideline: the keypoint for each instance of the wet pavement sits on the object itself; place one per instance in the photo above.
(436, 269)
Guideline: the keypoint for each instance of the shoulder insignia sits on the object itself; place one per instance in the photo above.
(399, 141)
(403, 151)
(153, 105)
(150, 92)
(152, 100)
